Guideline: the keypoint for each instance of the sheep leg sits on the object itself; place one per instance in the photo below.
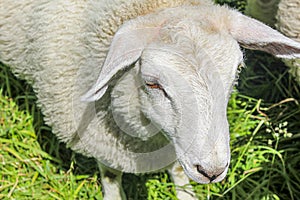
(184, 189)
(111, 183)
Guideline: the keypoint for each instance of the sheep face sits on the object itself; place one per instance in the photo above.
(188, 103)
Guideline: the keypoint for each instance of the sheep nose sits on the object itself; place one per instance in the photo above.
(212, 174)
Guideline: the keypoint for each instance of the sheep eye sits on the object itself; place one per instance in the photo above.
(154, 86)
(157, 86)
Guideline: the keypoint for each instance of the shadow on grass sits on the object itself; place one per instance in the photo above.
(268, 79)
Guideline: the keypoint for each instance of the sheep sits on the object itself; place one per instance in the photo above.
(288, 18)
(285, 16)
(288, 22)
(138, 85)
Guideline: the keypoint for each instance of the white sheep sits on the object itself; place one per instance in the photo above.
(166, 72)
(285, 16)
(288, 22)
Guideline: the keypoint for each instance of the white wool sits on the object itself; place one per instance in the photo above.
(59, 47)
(288, 22)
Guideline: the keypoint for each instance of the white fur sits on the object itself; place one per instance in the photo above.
(288, 22)
(78, 50)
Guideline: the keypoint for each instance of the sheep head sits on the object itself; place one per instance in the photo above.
(186, 62)
(187, 101)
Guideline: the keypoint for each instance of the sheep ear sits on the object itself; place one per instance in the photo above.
(125, 49)
(253, 34)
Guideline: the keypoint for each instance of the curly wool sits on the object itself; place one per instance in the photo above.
(59, 47)
(288, 22)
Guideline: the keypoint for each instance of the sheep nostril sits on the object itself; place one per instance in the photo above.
(200, 169)
(210, 175)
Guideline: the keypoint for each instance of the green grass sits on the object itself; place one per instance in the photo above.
(264, 117)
